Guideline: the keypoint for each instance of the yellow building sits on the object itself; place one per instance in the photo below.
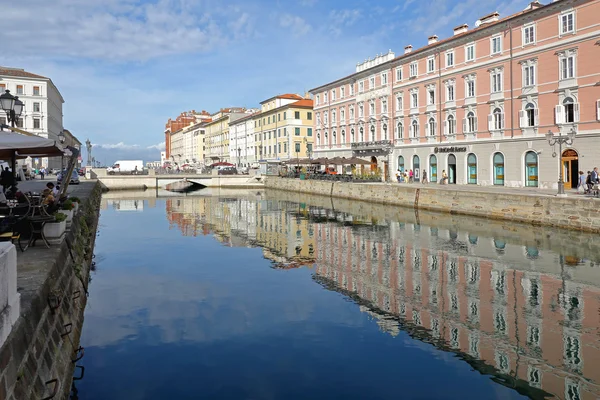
(217, 134)
(284, 128)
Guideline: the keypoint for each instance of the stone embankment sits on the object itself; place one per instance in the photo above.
(575, 213)
(42, 352)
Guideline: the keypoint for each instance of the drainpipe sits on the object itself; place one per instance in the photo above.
(512, 97)
(439, 57)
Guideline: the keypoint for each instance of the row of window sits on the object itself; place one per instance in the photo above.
(277, 149)
(275, 134)
(566, 113)
(530, 166)
(20, 90)
(566, 26)
(567, 69)
(271, 119)
(37, 123)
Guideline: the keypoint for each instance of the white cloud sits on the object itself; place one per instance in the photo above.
(118, 30)
(120, 146)
(160, 146)
(342, 18)
(296, 24)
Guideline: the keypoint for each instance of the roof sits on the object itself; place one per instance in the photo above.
(249, 116)
(288, 96)
(484, 26)
(18, 72)
(303, 103)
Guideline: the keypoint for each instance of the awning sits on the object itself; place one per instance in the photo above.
(22, 146)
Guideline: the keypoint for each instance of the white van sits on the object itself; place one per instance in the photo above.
(126, 167)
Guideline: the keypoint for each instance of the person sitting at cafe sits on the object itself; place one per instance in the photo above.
(54, 189)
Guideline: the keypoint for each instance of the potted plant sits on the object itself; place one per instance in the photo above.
(76, 203)
(55, 231)
(66, 208)
(302, 173)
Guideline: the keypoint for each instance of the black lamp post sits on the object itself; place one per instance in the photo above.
(560, 139)
(297, 155)
(12, 106)
(239, 156)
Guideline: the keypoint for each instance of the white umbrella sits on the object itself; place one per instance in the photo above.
(14, 144)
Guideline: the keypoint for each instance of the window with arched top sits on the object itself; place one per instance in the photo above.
(401, 163)
(343, 136)
(531, 169)
(529, 119)
(451, 125)
(318, 138)
(352, 136)
(569, 107)
(362, 134)
(399, 130)
(333, 137)
(471, 125)
(431, 126)
(433, 168)
(415, 129)
(472, 169)
(416, 168)
(372, 133)
(498, 169)
(385, 137)
(498, 119)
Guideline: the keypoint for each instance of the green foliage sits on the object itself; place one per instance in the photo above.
(59, 217)
(67, 205)
(75, 199)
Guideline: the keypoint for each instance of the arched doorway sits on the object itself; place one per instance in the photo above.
(416, 168)
(451, 168)
(531, 169)
(401, 163)
(570, 163)
(499, 169)
(472, 169)
(432, 168)
(373, 164)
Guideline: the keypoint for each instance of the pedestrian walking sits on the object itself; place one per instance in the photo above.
(424, 175)
(581, 187)
(411, 176)
(42, 173)
(444, 179)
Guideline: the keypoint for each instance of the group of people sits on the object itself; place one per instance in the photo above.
(587, 182)
(409, 177)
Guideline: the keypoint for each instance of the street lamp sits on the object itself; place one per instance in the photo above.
(297, 146)
(560, 139)
(61, 139)
(239, 156)
(12, 106)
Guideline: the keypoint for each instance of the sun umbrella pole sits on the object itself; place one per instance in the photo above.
(13, 163)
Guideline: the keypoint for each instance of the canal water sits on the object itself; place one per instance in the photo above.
(272, 295)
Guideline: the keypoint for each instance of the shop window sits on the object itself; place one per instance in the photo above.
(401, 163)
(498, 169)
(472, 169)
(531, 169)
(416, 167)
(432, 168)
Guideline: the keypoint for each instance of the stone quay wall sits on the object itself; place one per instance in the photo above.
(40, 356)
(564, 212)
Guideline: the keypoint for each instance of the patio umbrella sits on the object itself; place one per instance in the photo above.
(357, 161)
(221, 164)
(15, 145)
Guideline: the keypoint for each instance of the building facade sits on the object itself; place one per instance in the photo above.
(242, 141)
(43, 111)
(184, 119)
(477, 105)
(217, 134)
(284, 128)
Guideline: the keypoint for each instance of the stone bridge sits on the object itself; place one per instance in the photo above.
(151, 181)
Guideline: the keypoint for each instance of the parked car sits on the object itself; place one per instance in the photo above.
(74, 177)
(54, 171)
(244, 170)
(127, 167)
(228, 171)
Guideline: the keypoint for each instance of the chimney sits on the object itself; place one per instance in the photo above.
(408, 49)
(461, 29)
(493, 17)
(432, 39)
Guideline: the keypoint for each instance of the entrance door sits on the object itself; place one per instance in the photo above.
(373, 164)
(451, 168)
(570, 164)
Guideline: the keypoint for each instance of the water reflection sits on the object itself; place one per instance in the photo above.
(516, 302)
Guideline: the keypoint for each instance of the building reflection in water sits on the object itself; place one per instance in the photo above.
(499, 298)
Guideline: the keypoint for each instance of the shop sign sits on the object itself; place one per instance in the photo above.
(452, 149)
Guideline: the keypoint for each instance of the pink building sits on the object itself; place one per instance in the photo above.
(478, 104)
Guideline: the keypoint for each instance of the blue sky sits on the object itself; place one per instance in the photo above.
(125, 66)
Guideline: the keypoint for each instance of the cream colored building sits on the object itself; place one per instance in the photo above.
(217, 134)
(284, 128)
